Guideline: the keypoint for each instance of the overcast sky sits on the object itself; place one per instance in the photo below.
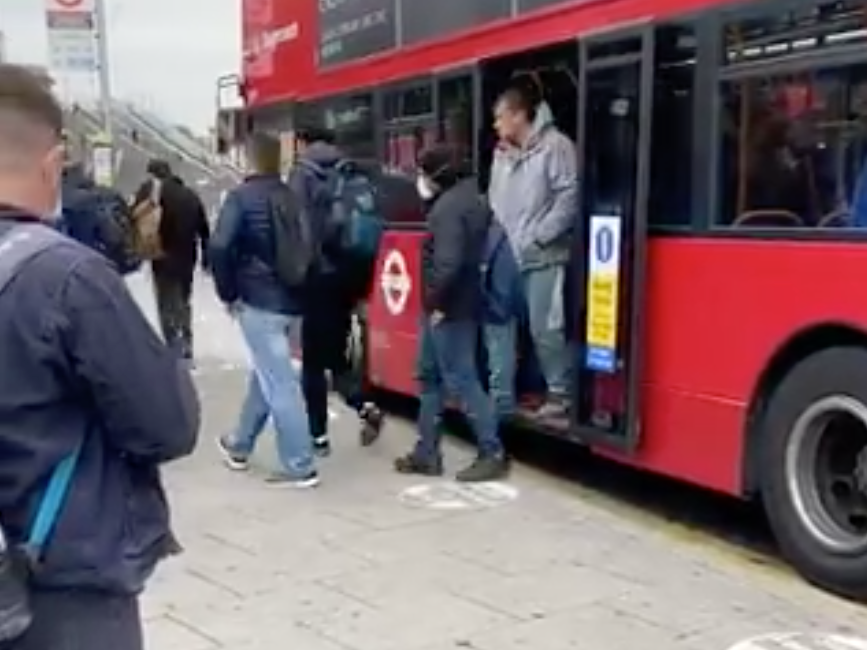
(167, 53)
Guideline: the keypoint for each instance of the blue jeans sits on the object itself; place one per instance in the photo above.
(544, 290)
(447, 368)
(501, 344)
(274, 389)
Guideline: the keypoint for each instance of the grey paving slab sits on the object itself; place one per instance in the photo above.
(352, 566)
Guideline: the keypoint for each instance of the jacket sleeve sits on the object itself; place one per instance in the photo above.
(562, 171)
(447, 235)
(221, 255)
(144, 395)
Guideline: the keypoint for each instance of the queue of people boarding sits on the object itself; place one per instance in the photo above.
(293, 258)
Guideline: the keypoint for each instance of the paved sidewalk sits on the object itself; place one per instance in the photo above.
(376, 561)
(360, 563)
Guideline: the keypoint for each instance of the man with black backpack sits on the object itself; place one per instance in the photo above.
(339, 199)
(261, 253)
(97, 217)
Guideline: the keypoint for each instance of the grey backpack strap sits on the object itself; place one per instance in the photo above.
(21, 244)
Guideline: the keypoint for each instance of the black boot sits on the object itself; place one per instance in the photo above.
(412, 464)
(485, 468)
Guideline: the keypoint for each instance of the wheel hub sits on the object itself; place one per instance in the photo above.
(826, 470)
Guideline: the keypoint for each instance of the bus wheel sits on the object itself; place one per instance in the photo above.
(814, 469)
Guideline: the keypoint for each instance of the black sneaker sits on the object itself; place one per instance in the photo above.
(372, 420)
(412, 464)
(281, 479)
(484, 468)
(322, 446)
(234, 460)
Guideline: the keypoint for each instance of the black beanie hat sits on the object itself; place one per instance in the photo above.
(441, 164)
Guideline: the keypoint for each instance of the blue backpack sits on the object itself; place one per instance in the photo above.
(356, 214)
(502, 293)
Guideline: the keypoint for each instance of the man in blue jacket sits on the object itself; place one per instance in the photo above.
(244, 264)
(82, 369)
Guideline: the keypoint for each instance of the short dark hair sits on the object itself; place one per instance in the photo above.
(443, 164)
(26, 99)
(160, 169)
(519, 97)
(265, 152)
(314, 133)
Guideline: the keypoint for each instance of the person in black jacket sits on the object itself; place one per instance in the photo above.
(452, 258)
(79, 363)
(183, 231)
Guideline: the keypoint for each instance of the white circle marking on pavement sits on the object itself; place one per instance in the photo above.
(451, 495)
(801, 641)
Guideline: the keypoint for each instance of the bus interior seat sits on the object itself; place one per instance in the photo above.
(835, 219)
(768, 219)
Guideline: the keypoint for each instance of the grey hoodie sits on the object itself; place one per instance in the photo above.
(534, 194)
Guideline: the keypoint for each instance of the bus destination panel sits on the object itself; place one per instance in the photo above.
(353, 29)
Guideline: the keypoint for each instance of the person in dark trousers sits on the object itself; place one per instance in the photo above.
(336, 287)
(77, 352)
(452, 260)
(184, 230)
(244, 265)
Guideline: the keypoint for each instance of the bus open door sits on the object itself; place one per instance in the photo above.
(615, 117)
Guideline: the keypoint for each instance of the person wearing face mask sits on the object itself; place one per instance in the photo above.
(452, 256)
(77, 352)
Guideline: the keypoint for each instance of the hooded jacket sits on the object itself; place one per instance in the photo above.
(453, 253)
(309, 181)
(83, 216)
(534, 194)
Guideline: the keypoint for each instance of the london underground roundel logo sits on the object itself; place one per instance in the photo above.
(395, 282)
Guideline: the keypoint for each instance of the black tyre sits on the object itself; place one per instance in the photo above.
(813, 468)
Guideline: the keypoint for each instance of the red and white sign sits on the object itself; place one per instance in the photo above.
(70, 5)
(71, 35)
(395, 282)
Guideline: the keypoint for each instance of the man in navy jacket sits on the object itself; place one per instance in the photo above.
(81, 367)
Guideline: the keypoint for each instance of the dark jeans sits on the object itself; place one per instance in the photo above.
(447, 369)
(174, 291)
(81, 620)
(325, 346)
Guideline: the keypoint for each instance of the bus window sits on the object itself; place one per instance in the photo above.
(408, 126)
(455, 117)
(671, 157)
(793, 138)
(351, 120)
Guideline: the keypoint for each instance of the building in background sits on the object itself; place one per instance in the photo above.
(2, 47)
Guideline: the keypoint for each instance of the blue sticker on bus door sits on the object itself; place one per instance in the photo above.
(603, 281)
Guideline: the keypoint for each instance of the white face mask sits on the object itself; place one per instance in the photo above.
(424, 189)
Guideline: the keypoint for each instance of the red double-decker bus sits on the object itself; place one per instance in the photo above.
(721, 148)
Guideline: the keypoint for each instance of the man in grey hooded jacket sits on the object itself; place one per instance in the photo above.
(534, 195)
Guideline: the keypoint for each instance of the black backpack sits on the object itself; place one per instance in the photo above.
(295, 247)
(118, 231)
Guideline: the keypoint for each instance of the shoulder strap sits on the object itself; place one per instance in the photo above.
(156, 191)
(20, 245)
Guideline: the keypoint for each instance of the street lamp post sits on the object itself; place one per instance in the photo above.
(104, 71)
